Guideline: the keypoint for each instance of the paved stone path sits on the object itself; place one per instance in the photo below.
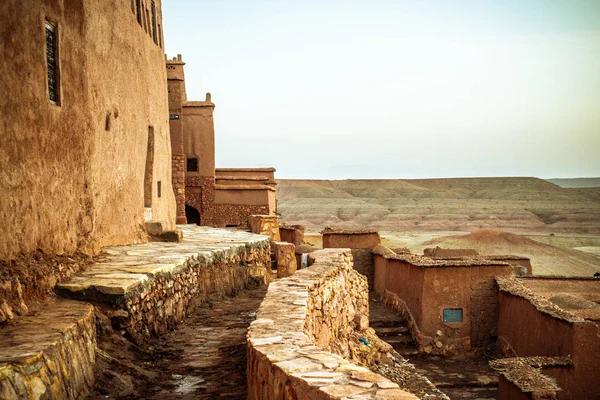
(209, 352)
(461, 377)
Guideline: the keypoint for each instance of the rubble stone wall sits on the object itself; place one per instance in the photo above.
(59, 365)
(364, 264)
(305, 319)
(159, 305)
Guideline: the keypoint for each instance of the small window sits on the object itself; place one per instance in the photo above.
(138, 11)
(158, 189)
(453, 314)
(52, 63)
(192, 165)
(153, 11)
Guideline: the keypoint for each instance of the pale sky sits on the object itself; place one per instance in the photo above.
(396, 89)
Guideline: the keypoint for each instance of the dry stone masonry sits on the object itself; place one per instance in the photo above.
(49, 355)
(153, 283)
(319, 305)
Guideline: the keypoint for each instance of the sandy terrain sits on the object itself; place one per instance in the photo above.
(557, 227)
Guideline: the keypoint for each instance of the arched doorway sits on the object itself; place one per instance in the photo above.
(192, 215)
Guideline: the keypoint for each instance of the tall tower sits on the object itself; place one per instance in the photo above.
(177, 96)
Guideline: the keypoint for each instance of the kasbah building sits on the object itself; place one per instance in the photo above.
(110, 200)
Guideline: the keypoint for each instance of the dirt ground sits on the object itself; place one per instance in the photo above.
(204, 358)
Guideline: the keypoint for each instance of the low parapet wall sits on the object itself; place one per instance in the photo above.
(301, 322)
(154, 284)
(530, 325)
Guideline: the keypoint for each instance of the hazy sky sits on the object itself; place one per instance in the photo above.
(396, 89)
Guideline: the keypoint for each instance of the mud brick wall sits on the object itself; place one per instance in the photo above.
(236, 214)
(292, 234)
(530, 325)
(314, 306)
(484, 312)
(365, 264)
(60, 365)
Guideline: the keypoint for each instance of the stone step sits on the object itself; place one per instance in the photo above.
(49, 354)
(405, 349)
(390, 330)
(385, 323)
(398, 339)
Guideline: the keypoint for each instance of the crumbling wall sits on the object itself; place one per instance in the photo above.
(532, 326)
(292, 234)
(441, 253)
(315, 306)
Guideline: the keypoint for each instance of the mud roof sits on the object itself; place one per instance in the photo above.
(428, 262)
(516, 288)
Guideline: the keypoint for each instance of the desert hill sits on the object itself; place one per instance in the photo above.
(576, 182)
(546, 259)
(460, 204)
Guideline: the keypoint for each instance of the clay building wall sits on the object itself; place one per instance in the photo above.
(531, 326)
(406, 281)
(361, 243)
(442, 253)
(350, 239)
(472, 289)
(177, 96)
(268, 173)
(292, 234)
(246, 195)
(73, 172)
(199, 135)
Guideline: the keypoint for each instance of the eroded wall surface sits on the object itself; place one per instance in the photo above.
(72, 175)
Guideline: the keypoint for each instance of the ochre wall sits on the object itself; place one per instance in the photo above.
(127, 77)
(66, 181)
(526, 331)
(247, 172)
(407, 281)
(242, 196)
(351, 241)
(199, 136)
(531, 332)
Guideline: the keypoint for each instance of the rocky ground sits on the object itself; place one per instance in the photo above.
(204, 358)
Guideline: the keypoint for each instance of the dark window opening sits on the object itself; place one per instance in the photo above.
(160, 42)
(192, 165)
(52, 63)
(158, 189)
(153, 11)
(231, 226)
(453, 314)
(192, 215)
(138, 11)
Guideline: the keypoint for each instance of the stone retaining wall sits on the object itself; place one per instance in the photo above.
(153, 285)
(50, 356)
(159, 305)
(302, 321)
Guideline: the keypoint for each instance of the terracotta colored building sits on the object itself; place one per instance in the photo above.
(84, 150)
(450, 302)
(205, 195)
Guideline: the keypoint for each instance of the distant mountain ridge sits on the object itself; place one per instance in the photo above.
(576, 182)
(461, 204)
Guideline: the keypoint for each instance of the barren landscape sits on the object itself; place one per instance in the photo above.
(558, 227)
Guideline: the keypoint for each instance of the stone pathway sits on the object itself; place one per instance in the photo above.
(204, 358)
(461, 377)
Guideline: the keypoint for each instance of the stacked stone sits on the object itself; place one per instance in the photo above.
(178, 179)
(364, 264)
(160, 303)
(285, 254)
(58, 364)
(283, 360)
(484, 312)
(340, 296)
